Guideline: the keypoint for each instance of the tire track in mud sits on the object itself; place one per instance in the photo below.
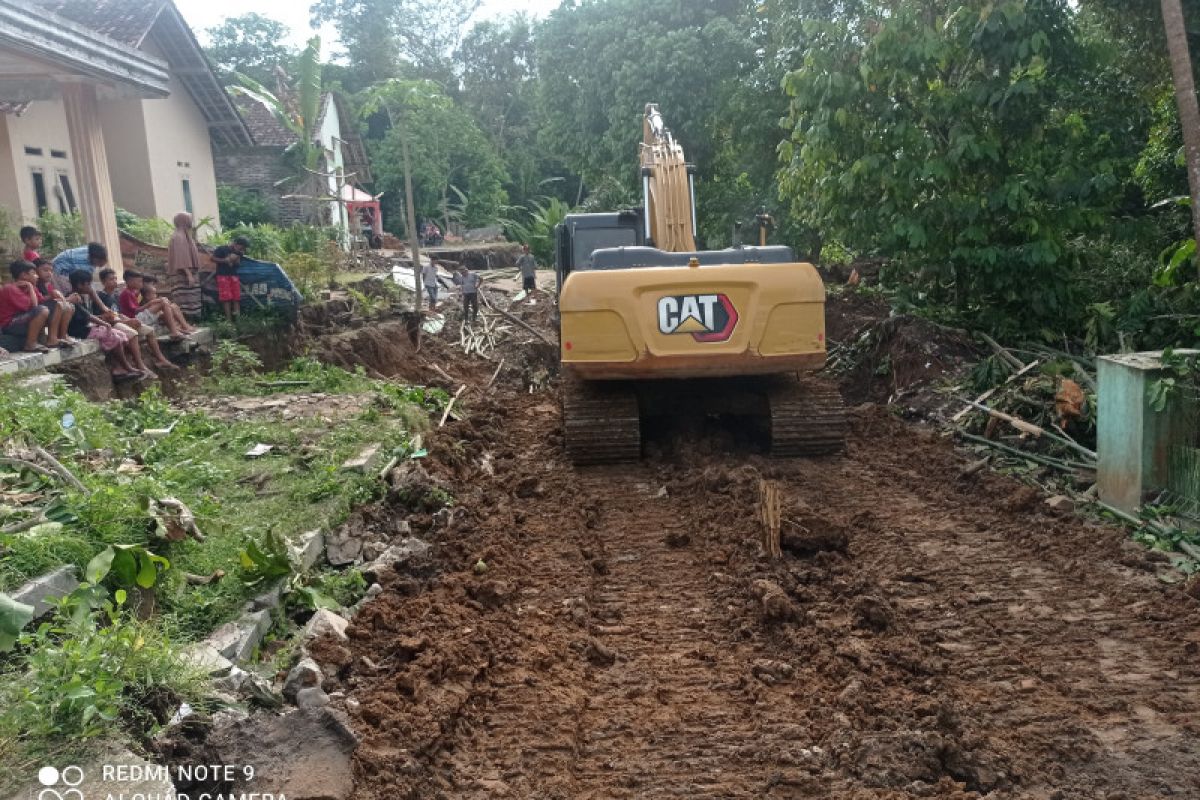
(960, 642)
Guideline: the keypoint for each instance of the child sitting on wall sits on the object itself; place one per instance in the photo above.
(116, 344)
(53, 298)
(107, 296)
(22, 313)
(142, 302)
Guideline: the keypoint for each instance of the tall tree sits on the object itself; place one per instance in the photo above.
(1185, 99)
(381, 37)
(455, 170)
(250, 44)
(599, 64)
(951, 135)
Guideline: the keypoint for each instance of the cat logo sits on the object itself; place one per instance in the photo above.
(707, 317)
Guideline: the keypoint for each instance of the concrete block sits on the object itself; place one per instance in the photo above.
(309, 548)
(325, 621)
(205, 657)
(236, 640)
(267, 600)
(365, 460)
(53, 358)
(1133, 440)
(8, 365)
(40, 591)
(29, 362)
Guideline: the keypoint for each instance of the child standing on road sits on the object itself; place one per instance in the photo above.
(229, 285)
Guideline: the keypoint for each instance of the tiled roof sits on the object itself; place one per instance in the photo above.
(130, 22)
(266, 130)
(127, 21)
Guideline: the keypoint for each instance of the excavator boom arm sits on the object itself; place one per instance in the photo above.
(669, 187)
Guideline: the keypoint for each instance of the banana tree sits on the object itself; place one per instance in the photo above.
(296, 105)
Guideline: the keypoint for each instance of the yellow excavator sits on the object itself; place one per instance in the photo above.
(650, 325)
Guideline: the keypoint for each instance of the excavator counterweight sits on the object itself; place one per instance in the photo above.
(649, 322)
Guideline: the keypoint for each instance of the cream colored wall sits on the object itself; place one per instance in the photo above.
(179, 147)
(43, 125)
(330, 138)
(10, 199)
(124, 128)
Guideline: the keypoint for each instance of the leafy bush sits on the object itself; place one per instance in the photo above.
(61, 232)
(151, 230)
(242, 207)
(78, 680)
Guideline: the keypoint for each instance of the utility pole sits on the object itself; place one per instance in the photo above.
(411, 213)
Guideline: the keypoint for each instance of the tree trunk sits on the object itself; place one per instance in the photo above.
(1185, 99)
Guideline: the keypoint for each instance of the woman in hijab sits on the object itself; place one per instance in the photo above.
(183, 267)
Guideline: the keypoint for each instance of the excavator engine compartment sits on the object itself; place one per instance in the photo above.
(652, 327)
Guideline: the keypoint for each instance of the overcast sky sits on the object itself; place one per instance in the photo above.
(204, 14)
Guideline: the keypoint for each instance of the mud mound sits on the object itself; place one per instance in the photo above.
(898, 359)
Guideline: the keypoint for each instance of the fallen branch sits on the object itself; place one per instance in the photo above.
(29, 465)
(24, 525)
(442, 373)
(495, 374)
(203, 580)
(57, 466)
(519, 321)
(1035, 430)
(450, 405)
(994, 389)
(1003, 352)
(1037, 458)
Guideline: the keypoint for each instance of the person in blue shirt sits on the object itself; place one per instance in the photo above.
(92, 256)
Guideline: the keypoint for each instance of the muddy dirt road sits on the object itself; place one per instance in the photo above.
(617, 632)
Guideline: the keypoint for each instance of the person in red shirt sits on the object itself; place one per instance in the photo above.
(21, 311)
(31, 237)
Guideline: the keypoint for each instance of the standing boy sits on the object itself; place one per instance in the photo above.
(469, 281)
(229, 285)
(528, 266)
(429, 280)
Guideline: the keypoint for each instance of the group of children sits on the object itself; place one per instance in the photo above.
(58, 301)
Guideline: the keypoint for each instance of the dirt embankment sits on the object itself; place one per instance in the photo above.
(616, 632)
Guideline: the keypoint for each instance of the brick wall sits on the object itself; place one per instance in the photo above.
(259, 169)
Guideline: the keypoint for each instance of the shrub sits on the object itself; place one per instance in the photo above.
(61, 232)
(151, 230)
(242, 207)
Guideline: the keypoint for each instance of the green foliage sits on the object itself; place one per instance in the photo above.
(149, 230)
(265, 561)
(1182, 371)
(79, 680)
(60, 232)
(231, 359)
(14, 617)
(955, 142)
(242, 207)
(535, 225)
(125, 566)
(251, 44)
(447, 150)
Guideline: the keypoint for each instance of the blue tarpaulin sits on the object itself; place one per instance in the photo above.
(264, 286)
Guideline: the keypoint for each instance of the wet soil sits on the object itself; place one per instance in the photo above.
(618, 633)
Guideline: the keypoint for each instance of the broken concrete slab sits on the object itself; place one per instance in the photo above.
(304, 755)
(269, 599)
(343, 549)
(249, 685)
(365, 461)
(308, 548)
(1060, 502)
(312, 697)
(326, 622)
(305, 674)
(408, 553)
(40, 592)
(236, 640)
(204, 656)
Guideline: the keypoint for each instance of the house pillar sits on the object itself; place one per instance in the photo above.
(94, 188)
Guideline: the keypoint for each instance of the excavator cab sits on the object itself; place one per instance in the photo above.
(580, 235)
(650, 325)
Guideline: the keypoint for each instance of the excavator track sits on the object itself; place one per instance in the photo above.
(807, 418)
(601, 423)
